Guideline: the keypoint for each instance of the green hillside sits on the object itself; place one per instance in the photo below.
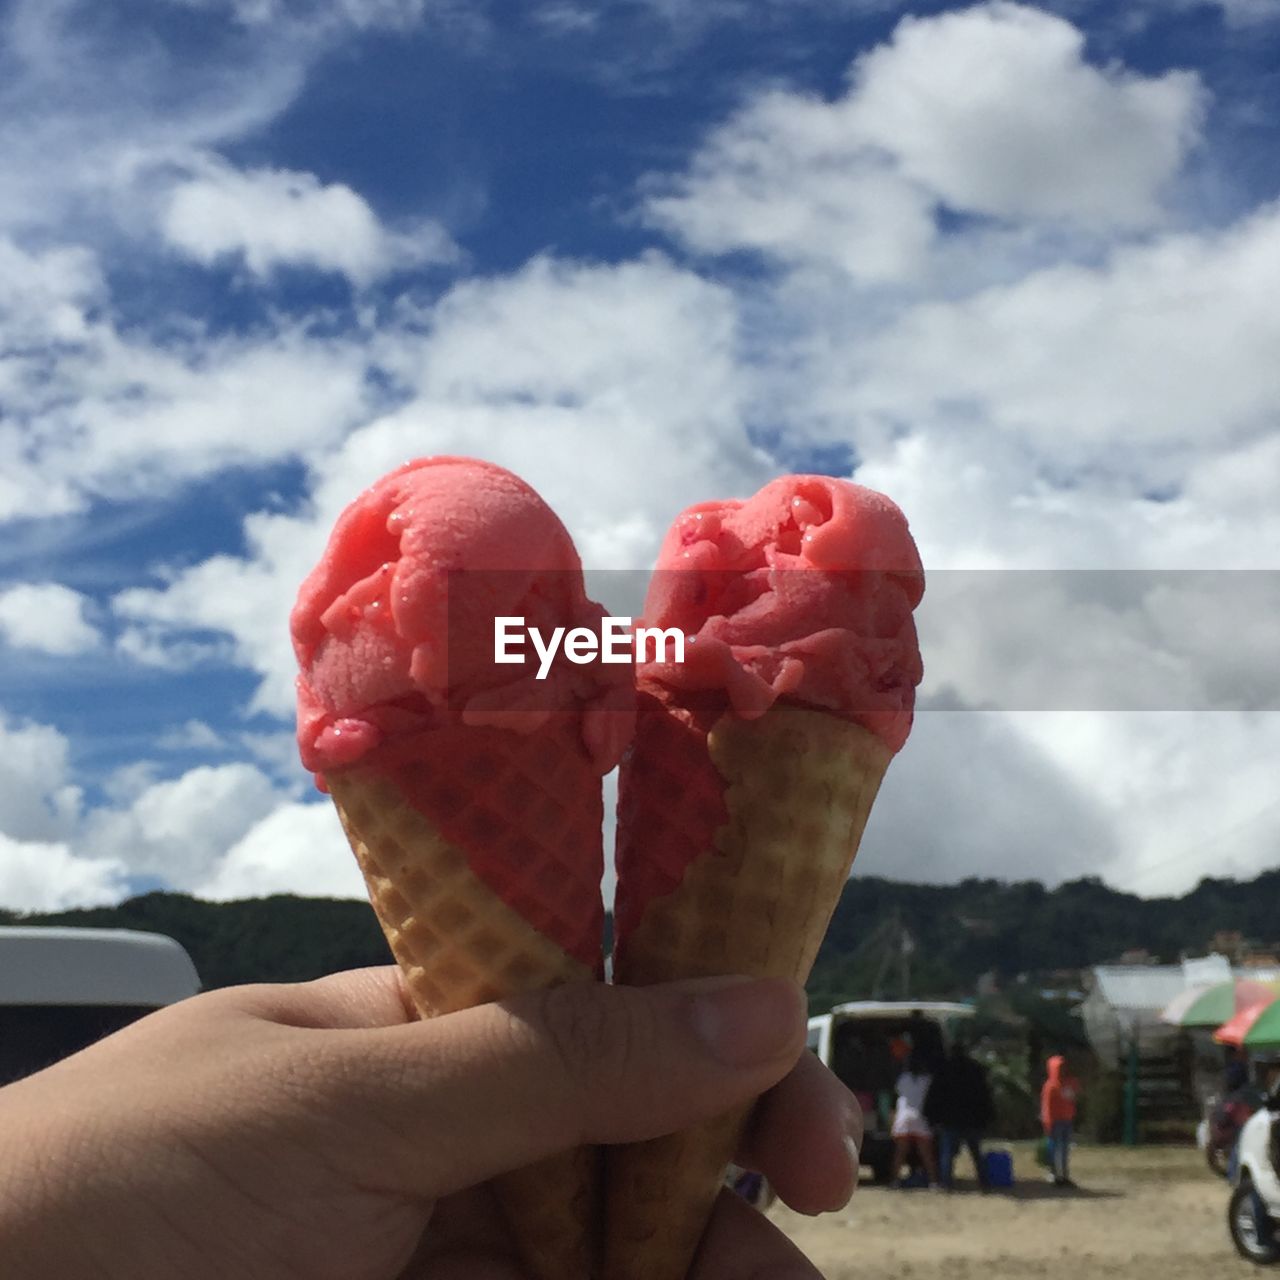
(957, 932)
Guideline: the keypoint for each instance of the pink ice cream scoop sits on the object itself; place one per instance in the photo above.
(394, 628)
(803, 592)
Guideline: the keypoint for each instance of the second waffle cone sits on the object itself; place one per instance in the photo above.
(798, 786)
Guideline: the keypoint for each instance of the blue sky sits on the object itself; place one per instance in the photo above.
(1012, 264)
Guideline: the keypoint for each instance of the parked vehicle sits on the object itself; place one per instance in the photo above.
(62, 989)
(1253, 1215)
(1225, 1118)
(861, 1041)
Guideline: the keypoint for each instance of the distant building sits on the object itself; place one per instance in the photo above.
(1124, 1005)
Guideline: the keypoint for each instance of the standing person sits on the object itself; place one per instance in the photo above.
(959, 1107)
(910, 1128)
(1057, 1115)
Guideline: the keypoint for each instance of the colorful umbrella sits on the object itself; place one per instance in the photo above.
(1177, 1008)
(1254, 1027)
(1222, 1001)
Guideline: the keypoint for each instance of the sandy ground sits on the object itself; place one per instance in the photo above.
(1149, 1213)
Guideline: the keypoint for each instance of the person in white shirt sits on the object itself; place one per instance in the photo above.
(910, 1129)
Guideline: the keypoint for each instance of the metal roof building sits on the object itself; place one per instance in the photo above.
(1125, 1002)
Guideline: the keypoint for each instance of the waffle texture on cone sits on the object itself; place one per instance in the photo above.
(459, 944)
(797, 786)
(524, 811)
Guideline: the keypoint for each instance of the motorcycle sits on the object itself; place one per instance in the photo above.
(1225, 1118)
(1253, 1215)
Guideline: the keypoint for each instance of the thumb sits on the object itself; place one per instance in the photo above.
(441, 1105)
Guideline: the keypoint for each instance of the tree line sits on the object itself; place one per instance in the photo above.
(951, 934)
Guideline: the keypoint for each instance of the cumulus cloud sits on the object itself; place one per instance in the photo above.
(94, 409)
(181, 828)
(993, 111)
(1164, 349)
(275, 218)
(996, 110)
(615, 391)
(48, 877)
(295, 848)
(47, 617)
(222, 831)
(38, 801)
(86, 107)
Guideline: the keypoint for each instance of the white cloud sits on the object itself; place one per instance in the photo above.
(297, 848)
(992, 111)
(47, 617)
(1134, 367)
(995, 110)
(92, 408)
(276, 218)
(193, 735)
(37, 799)
(1150, 802)
(222, 831)
(613, 390)
(785, 177)
(48, 877)
(181, 828)
(86, 106)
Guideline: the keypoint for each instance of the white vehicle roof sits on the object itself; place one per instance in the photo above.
(60, 966)
(820, 1026)
(903, 1009)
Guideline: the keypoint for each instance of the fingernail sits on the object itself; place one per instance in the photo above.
(746, 1022)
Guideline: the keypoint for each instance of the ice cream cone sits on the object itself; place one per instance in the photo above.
(477, 847)
(760, 821)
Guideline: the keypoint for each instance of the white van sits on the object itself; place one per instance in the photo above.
(62, 989)
(861, 1042)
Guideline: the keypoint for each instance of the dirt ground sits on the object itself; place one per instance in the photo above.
(1150, 1213)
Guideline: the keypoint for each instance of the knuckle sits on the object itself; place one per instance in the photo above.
(579, 1030)
(596, 1034)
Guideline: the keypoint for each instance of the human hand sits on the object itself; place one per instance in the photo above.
(320, 1130)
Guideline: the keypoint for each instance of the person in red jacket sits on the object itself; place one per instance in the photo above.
(1057, 1115)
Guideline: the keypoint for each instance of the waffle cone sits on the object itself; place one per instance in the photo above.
(459, 944)
(797, 789)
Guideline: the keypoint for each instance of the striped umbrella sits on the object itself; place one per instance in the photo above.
(1254, 1027)
(1221, 1002)
(1177, 1008)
